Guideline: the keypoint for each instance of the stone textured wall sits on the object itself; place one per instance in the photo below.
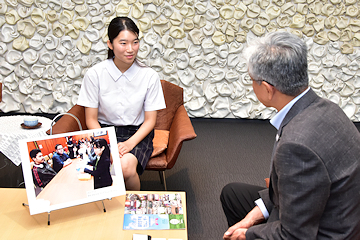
(46, 46)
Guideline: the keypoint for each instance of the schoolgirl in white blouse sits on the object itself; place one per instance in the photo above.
(124, 93)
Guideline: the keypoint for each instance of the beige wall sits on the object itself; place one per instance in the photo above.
(46, 46)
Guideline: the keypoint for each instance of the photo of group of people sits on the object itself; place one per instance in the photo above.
(95, 152)
(77, 164)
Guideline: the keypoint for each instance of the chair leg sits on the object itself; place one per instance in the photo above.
(163, 178)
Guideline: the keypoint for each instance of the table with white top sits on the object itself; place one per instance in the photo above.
(11, 132)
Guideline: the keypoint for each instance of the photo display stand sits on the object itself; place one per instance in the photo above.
(27, 205)
(77, 182)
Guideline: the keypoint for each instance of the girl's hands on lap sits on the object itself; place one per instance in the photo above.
(124, 148)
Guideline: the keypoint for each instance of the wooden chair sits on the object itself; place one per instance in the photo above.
(173, 127)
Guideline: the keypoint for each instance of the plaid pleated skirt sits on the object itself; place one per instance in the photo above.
(142, 151)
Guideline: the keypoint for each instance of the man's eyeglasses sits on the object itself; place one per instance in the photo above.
(261, 81)
(268, 83)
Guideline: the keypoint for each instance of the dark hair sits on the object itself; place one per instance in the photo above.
(57, 146)
(117, 25)
(99, 143)
(34, 152)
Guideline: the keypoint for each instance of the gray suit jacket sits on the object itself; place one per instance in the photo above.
(314, 190)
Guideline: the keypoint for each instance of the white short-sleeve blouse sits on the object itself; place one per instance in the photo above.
(121, 98)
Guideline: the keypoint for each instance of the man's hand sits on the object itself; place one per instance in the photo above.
(238, 234)
(237, 231)
(67, 162)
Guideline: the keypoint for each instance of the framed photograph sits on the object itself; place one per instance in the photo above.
(70, 169)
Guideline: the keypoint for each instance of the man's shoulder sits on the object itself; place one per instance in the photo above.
(324, 110)
(56, 155)
(313, 108)
(47, 166)
(321, 117)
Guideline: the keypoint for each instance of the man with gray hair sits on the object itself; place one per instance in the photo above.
(314, 188)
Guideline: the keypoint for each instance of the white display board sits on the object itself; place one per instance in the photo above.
(70, 186)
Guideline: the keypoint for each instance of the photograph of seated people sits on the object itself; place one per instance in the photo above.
(41, 171)
(72, 185)
(125, 93)
(314, 190)
(101, 164)
(60, 158)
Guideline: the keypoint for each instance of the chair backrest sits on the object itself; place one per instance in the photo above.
(173, 95)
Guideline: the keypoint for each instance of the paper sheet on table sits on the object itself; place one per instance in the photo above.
(84, 176)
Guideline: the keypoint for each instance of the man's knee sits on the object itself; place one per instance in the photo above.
(238, 191)
(232, 188)
(228, 191)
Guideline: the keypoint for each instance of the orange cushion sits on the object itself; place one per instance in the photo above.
(160, 141)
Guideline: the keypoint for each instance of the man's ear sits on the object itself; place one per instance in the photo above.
(109, 44)
(270, 90)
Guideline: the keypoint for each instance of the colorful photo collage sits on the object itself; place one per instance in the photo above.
(153, 211)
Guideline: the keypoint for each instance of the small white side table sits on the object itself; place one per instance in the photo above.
(11, 132)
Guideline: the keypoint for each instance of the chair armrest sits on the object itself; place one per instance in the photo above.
(68, 124)
(181, 130)
(267, 181)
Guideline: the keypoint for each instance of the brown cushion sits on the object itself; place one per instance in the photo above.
(174, 99)
(160, 141)
(68, 124)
